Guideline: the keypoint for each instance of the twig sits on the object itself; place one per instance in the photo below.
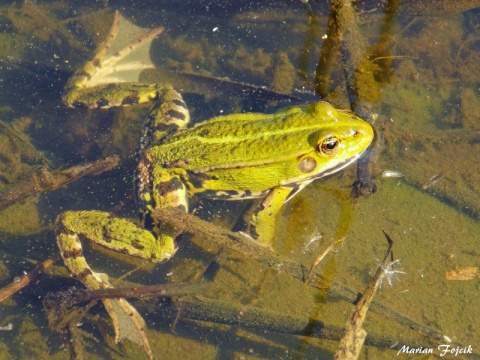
(352, 342)
(44, 180)
(199, 308)
(139, 292)
(322, 256)
(22, 281)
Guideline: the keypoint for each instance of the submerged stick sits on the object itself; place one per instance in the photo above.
(323, 254)
(362, 76)
(44, 180)
(252, 317)
(20, 282)
(137, 292)
(352, 342)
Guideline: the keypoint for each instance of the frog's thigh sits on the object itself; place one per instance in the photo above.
(263, 219)
(170, 190)
(109, 231)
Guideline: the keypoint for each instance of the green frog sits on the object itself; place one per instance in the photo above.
(233, 157)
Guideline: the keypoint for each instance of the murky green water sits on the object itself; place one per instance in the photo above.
(426, 94)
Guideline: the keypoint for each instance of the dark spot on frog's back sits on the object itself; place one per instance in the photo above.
(180, 103)
(96, 62)
(137, 245)
(169, 186)
(166, 128)
(84, 274)
(227, 194)
(102, 103)
(72, 254)
(181, 207)
(196, 179)
(176, 114)
(130, 100)
(84, 74)
(106, 235)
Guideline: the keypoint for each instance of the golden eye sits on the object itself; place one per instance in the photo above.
(329, 146)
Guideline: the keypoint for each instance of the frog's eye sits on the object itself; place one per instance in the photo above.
(329, 146)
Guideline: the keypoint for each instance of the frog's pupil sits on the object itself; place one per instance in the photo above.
(331, 145)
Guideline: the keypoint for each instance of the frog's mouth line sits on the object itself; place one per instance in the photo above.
(336, 168)
(304, 182)
(307, 180)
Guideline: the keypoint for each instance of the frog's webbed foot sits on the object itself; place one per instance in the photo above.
(128, 323)
(95, 84)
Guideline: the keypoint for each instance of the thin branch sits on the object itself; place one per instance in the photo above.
(20, 282)
(352, 342)
(44, 180)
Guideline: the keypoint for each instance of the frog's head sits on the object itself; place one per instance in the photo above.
(339, 139)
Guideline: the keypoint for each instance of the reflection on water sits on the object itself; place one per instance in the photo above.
(421, 78)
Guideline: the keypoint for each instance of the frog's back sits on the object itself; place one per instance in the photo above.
(242, 139)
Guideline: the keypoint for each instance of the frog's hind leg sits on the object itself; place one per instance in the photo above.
(81, 78)
(106, 80)
(168, 115)
(159, 187)
(109, 231)
(156, 186)
(118, 234)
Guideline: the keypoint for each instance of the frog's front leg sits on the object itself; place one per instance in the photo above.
(109, 231)
(263, 221)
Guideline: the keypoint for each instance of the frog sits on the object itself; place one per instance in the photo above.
(230, 157)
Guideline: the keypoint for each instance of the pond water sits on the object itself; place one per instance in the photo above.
(420, 80)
